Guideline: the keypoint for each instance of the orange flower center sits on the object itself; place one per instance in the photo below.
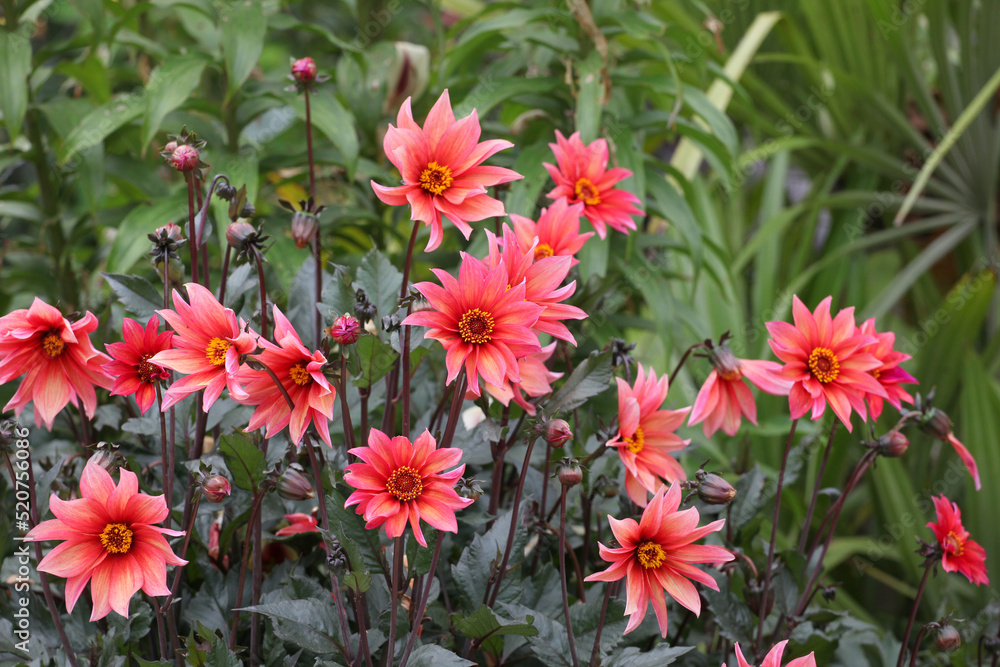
(636, 442)
(823, 365)
(475, 327)
(586, 192)
(52, 345)
(116, 538)
(300, 375)
(436, 178)
(543, 250)
(953, 544)
(650, 555)
(148, 373)
(216, 350)
(404, 484)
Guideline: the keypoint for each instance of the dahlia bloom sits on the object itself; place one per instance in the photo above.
(481, 320)
(298, 523)
(542, 282)
(725, 397)
(773, 658)
(960, 553)
(131, 368)
(398, 482)
(656, 556)
(207, 349)
(646, 435)
(826, 362)
(110, 541)
(441, 168)
(889, 374)
(60, 362)
(583, 177)
(557, 230)
(301, 374)
(536, 380)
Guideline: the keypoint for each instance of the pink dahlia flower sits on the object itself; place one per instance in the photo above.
(442, 170)
(656, 555)
(583, 177)
(960, 554)
(56, 357)
(536, 380)
(110, 541)
(889, 374)
(400, 482)
(557, 231)
(773, 658)
(133, 373)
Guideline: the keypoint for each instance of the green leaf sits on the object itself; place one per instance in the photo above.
(381, 282)
(245, 461)
(733, 617)
(752, 491)
(131, 243)
(137, 294)
(170, 85)
(243, 26)
(307, 623)
(332, 119)
(483, 623)
(589, 97)
(376, 359)
(661, 655)
(482, 557)
(100, 123)
(432, 655)
(15, 54)
(590, 377)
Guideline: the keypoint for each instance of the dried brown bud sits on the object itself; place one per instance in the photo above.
(893, 444)
(715, 490)
(294, 485)
(557, 432)
(725, 362)
(936, 423)
(106, 455)
(947, 638)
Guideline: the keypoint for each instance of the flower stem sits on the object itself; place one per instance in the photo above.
(680, 364)
(262, 284)
(453, 415)
(345, 409)
(913, 615)
(502, 570)
(192, 233)
(257, 499)
(774, 533)
(819, 479)
(562, 575)
(184, 547)
(397, 575)
(168, 460)
(84, 424)
(309, 148)
(362, 632)
(225, 275)
(422, 601)
(595, 652)
(405, 361)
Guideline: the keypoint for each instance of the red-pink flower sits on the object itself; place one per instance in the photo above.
(536, 380)
(400, 482)
(557, 231)
(298, 523)
(889, 374)
(56, 357)
(131, 368)
(656, 555)
(773, 658)
(207, 349)
(301, 374)
(826, 362)
(583, 177)
(725, 396)
(646, 435)
(481, 320)
(110, 541)
(442, 170)
(961, 554)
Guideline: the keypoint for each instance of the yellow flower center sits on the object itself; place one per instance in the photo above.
(116, 538)
(216, 351)
(52, 345)
(300, 375)
(436, 178)
(404, 484)
(823, 365)
(650, 555)
(543, 250)
(636, 442)
(586, 192)
(475, 327)
(953, 544)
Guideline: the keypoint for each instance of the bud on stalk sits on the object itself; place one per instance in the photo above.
(294, 485)
(557, 432)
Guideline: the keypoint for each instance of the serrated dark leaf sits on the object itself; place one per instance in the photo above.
(245, 461)
(660, 656)
(589, 378)
(376, 359)
(137, 294)
(381, 282)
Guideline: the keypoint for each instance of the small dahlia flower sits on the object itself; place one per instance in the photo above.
(656, 555)
(110, 541)
(646, 435)
(960, 554)
(59, 363)
(298, 523)
(725, 397)
(133, 373)
(557, 231)
(301, 374)
(773, 658)
(536, 380)
(889, 374)
(441, 168)
(400, 482)
(207, 348)
(481, 320)
(825, 361)
(583, 177)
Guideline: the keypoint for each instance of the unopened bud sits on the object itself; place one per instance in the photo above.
(226, 191)
(468, 488)
(557, 432)
(248, 211)
(169, 148)
(947, 638)
(304, 70)
(715, 490)
(106, 456)
(345, 330)
(294, 485)
(238, 233)
(936, 423)
(185, 158)
(304, 226)
(725, 362)
(893, 444)
(216, 488)
(364, 309)
(570, 473)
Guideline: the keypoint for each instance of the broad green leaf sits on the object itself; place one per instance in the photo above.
(589, 97)
(15, 54)
(484, 623)
(376, 359)
(332, 119)
(307, 623)
(244, 26)
(381, 282)
(170, 85)
(660, 656)
(432, 655)
(137, 294)
(589, 378)
(245, 461)
(100, 123)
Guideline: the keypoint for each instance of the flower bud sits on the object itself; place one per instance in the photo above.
(106, 456)
(725, 362)
(304, 226)
(557, 432)
(468, 488)
(570, 473)
(238, 233)
(893, 444)
(170, 147)
(345, 329)
(216, 488)
(294, 485)
(304, 70)
(408, 74)
(364, 309)
(185, 158)
(715, 490)
(936, 423)
(947, 638)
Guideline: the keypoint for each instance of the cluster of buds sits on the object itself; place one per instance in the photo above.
(305, 220)
(183, 151)
(364, 309)
(294, 485)
(304, 73)
(239, 207)
(345, 330)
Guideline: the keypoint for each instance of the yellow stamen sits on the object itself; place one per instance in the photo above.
(299, 375)
(543, 250)
(636, 442)
(436, 178)
(650, 555)
(216, 350)
(52, 345)
(824, 365)
(475, 327)
(116, 538)
(404, 484)
(586, 192)
(953, 544)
